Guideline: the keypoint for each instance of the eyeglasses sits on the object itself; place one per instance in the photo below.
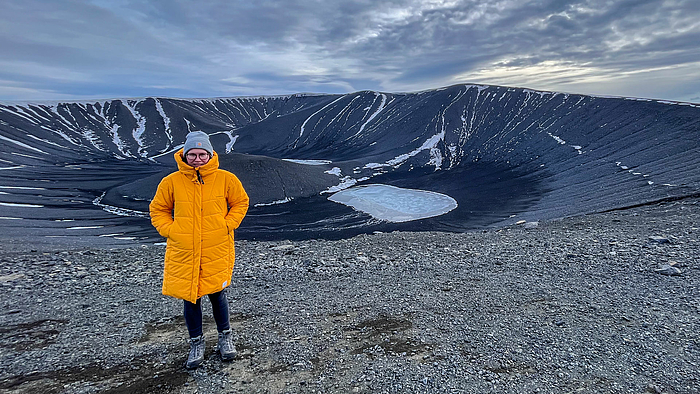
(195, 156)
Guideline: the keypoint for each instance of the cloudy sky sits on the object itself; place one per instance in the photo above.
(85, 49)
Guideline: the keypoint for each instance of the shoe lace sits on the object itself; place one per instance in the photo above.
(226, 339)
(196, 347)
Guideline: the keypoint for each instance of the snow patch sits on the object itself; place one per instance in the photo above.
(312, 163)
(334, 171)
(46, 141)
(117, 210)
(23, 145)
(10, 204)
(137, 133)
(22, 188)
(633, 172)
(303, 125)
(559, 140)
(285, 200)
(375, 165)
(166, 120)
(344, 184)
(374, 115)
(430, 144)
(231, 142)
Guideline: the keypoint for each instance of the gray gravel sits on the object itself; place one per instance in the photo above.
(606, 303)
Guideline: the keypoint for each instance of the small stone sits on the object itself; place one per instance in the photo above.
(659, 240)
(669, 270)
(283, 248)
(531, 224)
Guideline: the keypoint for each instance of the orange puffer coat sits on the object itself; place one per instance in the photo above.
(197, 211)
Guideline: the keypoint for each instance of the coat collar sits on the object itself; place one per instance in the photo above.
(190, 172)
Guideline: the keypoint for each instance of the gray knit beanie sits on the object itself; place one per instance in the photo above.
(198, 140)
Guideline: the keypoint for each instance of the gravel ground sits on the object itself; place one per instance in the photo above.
(577, 305)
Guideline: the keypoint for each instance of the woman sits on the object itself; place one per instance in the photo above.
(197, 208)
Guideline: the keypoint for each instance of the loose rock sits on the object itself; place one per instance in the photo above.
(669, 270)
(571, 307)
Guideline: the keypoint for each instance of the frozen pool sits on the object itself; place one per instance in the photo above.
(395, 204)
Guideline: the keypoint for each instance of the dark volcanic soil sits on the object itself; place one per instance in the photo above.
(570, 306)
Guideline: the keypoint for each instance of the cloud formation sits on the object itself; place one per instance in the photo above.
(82, 49)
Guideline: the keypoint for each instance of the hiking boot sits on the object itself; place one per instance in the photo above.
(196, 355)
(225, 346)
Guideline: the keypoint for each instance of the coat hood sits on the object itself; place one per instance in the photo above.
(190, 171)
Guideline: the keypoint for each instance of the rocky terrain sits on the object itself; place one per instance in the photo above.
(604, 303)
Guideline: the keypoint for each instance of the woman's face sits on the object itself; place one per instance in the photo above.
(197, 157)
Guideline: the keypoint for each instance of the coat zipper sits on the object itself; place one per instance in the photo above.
(199, 274)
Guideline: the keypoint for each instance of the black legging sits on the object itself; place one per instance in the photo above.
(193, 313)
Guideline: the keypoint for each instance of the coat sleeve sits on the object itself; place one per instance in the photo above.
(238, 201)
(161, 208)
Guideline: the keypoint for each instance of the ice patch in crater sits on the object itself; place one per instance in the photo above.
(395, 204)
